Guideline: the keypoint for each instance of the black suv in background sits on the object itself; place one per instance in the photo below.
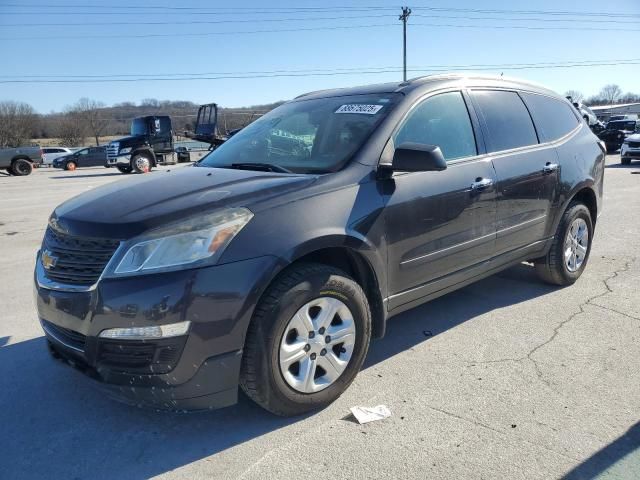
(616, 131)
(273, 262)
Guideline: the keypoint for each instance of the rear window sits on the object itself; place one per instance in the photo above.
(553, 118)
(622, 125)
(507, 119)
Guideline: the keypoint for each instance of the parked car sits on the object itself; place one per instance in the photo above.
(20, 161)
(630, 149)
(586, 113)
(616, 131)
(273, 268)
(49, 154)
(86, 157)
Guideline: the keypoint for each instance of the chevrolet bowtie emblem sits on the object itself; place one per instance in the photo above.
(48, 260)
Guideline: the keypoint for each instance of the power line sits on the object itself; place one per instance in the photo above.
(204, 34)
(125, 10)
(308, 29)
(620, 61)
(240, 76)
(191, 22)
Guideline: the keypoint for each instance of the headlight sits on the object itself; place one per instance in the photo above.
(124, 151)
(191, 242)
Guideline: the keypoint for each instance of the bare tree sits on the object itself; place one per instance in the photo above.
(71, 128)
(576, 95)
(90, 112)
(18, 122)
(611, 93)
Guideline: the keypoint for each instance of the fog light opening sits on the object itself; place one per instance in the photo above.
(152, 332)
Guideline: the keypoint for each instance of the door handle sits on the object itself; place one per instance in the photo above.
(481, 184)
(550, 167)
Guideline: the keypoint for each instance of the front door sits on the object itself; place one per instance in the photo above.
(438, 223)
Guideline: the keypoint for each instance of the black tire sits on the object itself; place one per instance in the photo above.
(610, 148)
(552, 267)
(134, 162)
(625, 161)
(260, 375)
(70, 165)
(124, 168)
(21, 167)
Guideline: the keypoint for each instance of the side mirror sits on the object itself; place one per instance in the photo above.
(418, 157)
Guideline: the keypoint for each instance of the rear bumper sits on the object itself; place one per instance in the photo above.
(199, 370)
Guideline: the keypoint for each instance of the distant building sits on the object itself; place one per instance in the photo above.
(603, 112)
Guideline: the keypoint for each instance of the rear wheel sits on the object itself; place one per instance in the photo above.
(307, 340)
(569, 252)
(142, 163)
(124, 168)
(21, 167)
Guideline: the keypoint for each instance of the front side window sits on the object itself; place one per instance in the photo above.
(138, 127)
(507, 119)
(306, 136)
(553, 118)
(441, 120)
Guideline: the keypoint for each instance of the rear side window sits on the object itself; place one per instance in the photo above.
(441, 120)
(553, 118)
(508, 121)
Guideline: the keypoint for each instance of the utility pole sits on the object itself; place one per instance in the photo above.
(406, 11)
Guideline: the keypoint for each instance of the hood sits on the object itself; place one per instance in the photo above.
(130, 140)
(633, 138)
(126, 208)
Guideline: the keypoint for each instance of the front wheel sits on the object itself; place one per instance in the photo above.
(141, 163)
(124, 168)
(70, 166)
(569, 252)
(307, 340)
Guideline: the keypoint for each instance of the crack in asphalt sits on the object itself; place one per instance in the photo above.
(581, 310)
(589, 301)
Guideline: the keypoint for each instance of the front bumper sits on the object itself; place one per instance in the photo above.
(119, 160)
(628, 152)
(196, 371)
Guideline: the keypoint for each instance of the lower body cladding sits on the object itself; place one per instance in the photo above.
(193, 371)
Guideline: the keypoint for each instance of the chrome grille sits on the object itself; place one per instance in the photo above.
(112, 150)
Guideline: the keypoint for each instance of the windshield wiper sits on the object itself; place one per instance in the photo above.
(269, 167)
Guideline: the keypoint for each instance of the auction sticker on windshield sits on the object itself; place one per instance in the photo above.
(359, 108)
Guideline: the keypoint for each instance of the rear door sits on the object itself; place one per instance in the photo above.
(438, 223)
(527, 172)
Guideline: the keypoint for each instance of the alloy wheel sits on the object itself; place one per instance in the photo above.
(317, 345)
(576, 245)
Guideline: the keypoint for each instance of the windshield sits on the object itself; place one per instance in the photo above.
(306, 136)
(622, 125)
(138, 126)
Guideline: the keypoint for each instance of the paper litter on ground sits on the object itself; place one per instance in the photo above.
(370, 414)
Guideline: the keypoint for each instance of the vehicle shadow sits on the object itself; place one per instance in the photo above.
(608, 457)
(56, 425)
(620, 165)
(72, 175)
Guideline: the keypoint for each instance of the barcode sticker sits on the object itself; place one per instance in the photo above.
(360, 108)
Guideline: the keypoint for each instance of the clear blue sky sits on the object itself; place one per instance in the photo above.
(575, 39)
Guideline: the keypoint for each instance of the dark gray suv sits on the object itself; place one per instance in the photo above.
(273, 261)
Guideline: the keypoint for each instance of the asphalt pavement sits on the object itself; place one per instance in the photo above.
(508, 378)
